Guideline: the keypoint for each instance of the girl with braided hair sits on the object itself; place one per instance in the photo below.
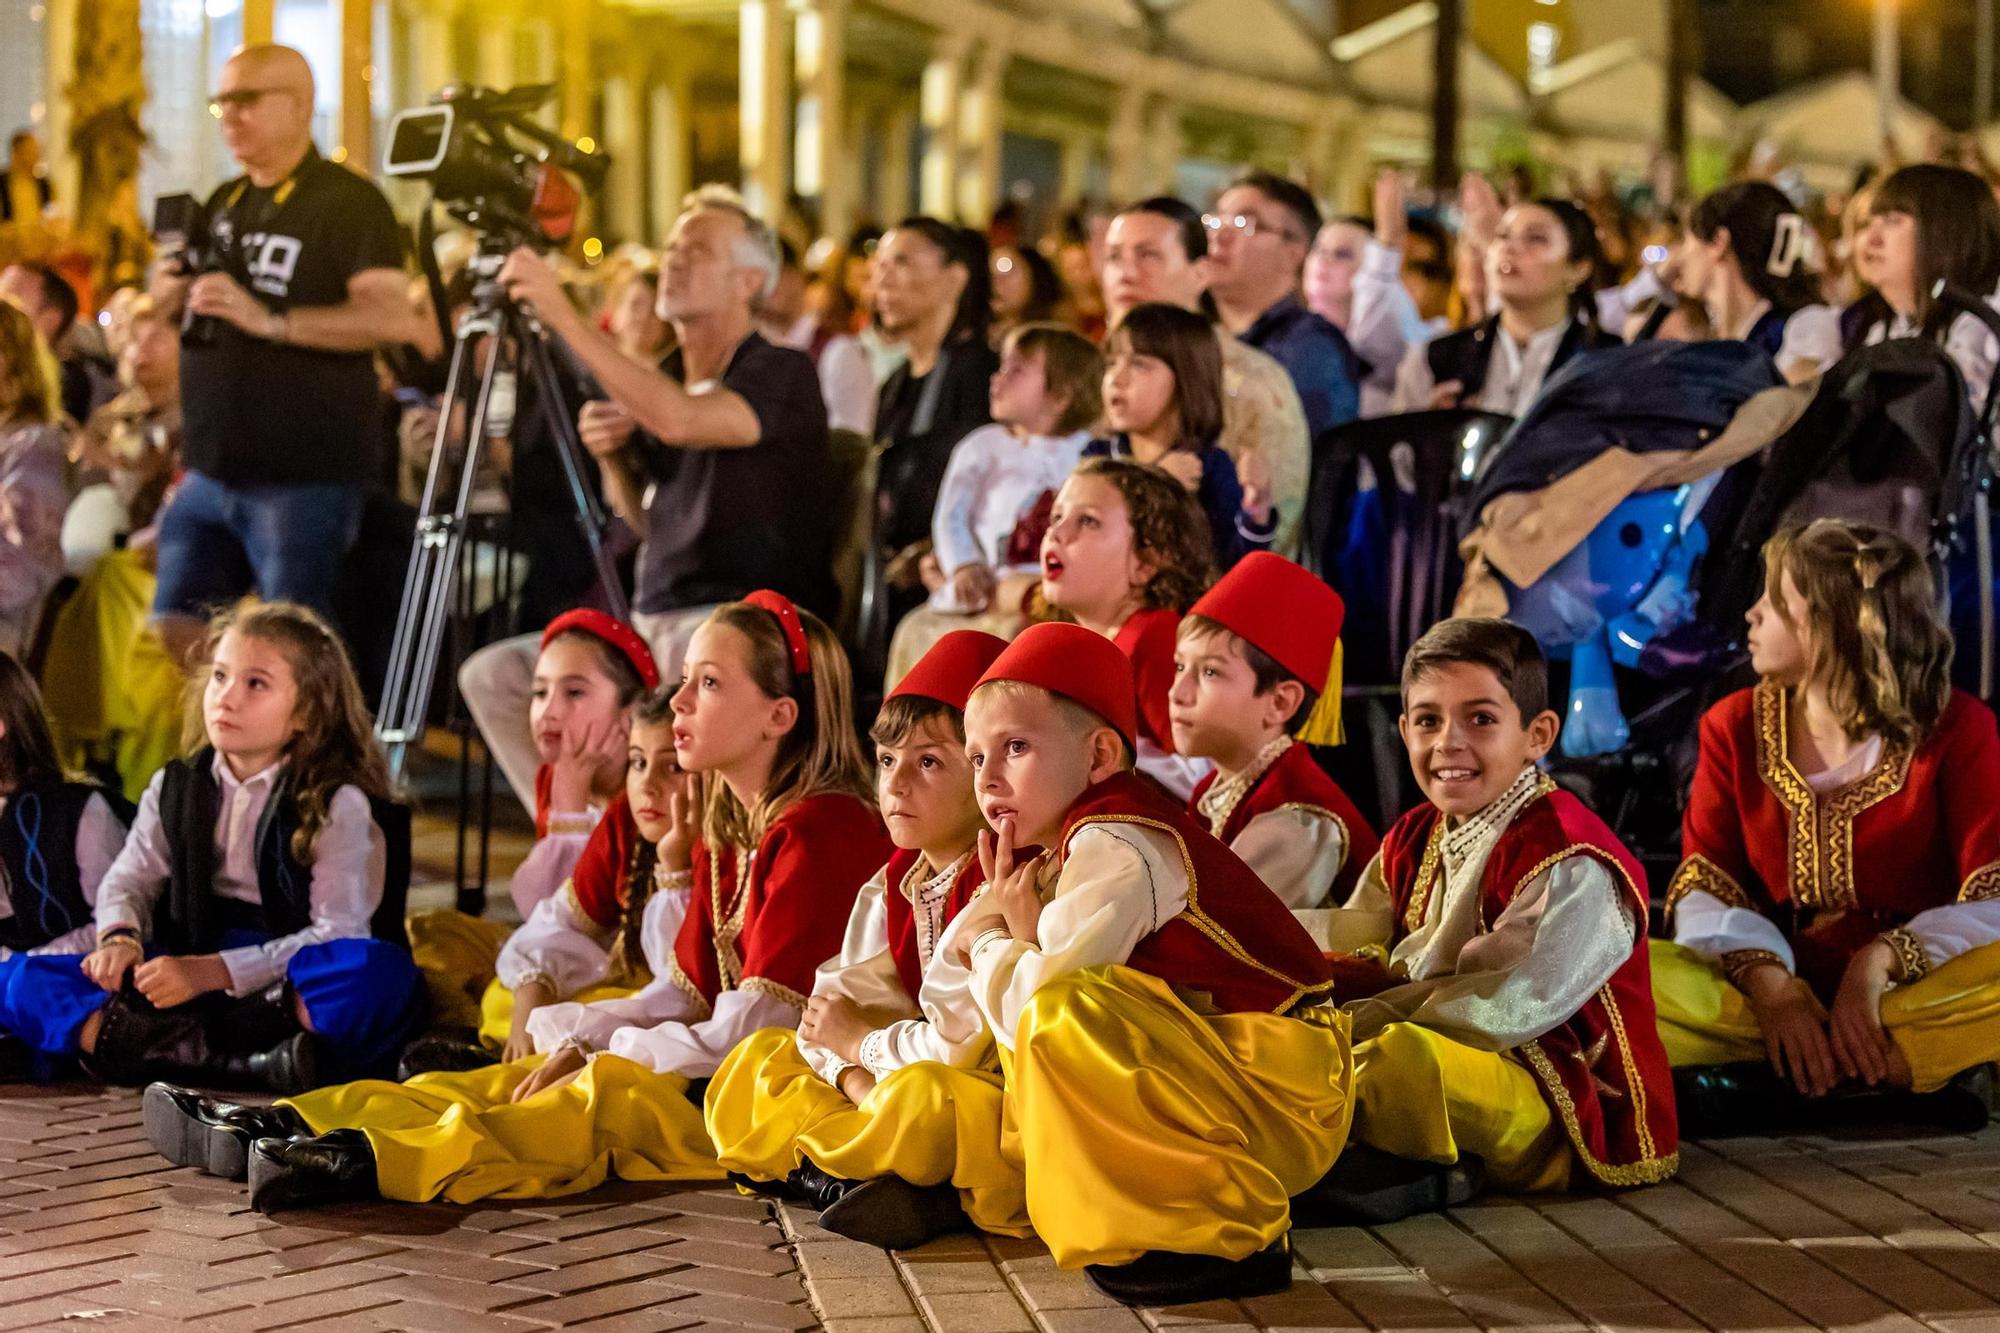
(1836, 914)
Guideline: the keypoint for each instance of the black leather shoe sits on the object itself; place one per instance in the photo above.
(17, 1061)
(444, 1053)
(780, 1190)
(1733, 1100)
(890, 1212)
(211, 1135)
(306, 1173)
(1161, 1277)
(815, 1188)
(1369, 1187)
(260, 1021)
(138, 1044)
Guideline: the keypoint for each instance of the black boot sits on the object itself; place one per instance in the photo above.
(781, 1190)
(451, 1052)
(815, 1188)
(890, 1212)
(209, 1135)
(338, 1167)
(260, 1021)
(138, 1044)
(1160, 1277)
(17, 1061)
(1369, 1187)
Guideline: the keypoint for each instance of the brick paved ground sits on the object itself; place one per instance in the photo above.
(1757, 1235)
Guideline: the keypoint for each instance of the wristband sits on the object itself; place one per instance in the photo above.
(120, 935)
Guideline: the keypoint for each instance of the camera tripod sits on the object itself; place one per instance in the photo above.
(421, 622)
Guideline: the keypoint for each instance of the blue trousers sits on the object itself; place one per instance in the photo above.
(364, 999)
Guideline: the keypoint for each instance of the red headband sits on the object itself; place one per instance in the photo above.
(781, 606)
(615, 633)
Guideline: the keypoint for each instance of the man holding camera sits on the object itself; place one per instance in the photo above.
(298, 280)
(717, 458)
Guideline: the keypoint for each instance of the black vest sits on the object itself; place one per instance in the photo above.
(38, 850)
(195, 918)
(1465, 356)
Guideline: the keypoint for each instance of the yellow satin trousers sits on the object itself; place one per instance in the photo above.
(457, 1137)
(929, 1123)
(1946, 1021)
(1421, 1095)
(1142, 1125)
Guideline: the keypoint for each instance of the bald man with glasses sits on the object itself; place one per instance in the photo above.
(304, 282)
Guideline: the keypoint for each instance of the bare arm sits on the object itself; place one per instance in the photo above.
(713, 419)
(375, 314)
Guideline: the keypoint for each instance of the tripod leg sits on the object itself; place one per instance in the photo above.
(590, 515)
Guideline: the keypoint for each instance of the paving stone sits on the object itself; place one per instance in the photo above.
(841, 1258)
(948, 1276)
(881, 1324)
(985, 1312)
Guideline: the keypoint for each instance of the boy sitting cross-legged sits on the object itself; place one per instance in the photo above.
(1256, 671)
(1173, 1073)
(1515, 1039)
(883, 1111)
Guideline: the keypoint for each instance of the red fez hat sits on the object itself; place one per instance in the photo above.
(620, 637)
(1282, 609)
(1294, 618)
(952, 667)
(1079, 664)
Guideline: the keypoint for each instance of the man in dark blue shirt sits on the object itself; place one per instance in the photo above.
(1259, 234)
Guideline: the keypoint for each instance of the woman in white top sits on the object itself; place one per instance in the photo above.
(1931, 222)
(1538, 268)
(1745, 258)
(1354, 280)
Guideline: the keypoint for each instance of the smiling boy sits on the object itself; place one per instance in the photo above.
(1516, 1039)
(1137, 964)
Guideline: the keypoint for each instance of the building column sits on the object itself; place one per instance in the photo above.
(1315, 166)
(1074, 179)
(499, 36)
(979, 131)
(576, 79)
(820, 150)
(764, 106)
(669, 107)
(357, 81)
(624, 139)
(1125, 145)
(259, 17)
(892, 198)
(1162, 153)
(939, 105)
(431, 55)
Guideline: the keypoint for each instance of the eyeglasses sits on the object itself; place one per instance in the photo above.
(1245, 225)
(240, 99)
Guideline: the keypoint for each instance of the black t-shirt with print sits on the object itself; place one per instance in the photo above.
(264, 413)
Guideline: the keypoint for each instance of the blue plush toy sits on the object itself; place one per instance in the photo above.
(1604, 601)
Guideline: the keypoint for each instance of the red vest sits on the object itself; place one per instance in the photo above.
(1603, 1073)
(771, 933)
(602, 879)
(1149, 638)
(1296, 780)
(1235, 940)
(1836, 869)
(905, 877)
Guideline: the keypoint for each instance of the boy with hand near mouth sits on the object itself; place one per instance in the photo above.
(846, 1113)
(1516, 1040)
(1256, 671)
(1174, 1072)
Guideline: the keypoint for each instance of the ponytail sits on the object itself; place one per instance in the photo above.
(1771, 241)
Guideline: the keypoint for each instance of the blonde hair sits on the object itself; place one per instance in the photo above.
(1079, 721)
(820, 754)
(1876, 641)
(335, 746)
(30, 382)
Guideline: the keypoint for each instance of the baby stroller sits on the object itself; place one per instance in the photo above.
(1887, 437)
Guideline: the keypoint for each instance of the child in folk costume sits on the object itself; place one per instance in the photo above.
(1173, 1073)
(784, 840)
(1837, 914)
(251, 928)
(589, 676)
(1125, 554)
(1513, 1034)
(1257, 675)
(874, 1113)
(58, 838)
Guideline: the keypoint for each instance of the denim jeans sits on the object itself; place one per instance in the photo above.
(218, 542)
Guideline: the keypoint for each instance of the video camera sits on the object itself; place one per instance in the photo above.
(491, 166)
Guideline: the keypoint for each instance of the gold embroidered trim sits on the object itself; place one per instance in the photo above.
(1911, 960)
(1633, 1081)
(1649, 1170)
(679, 980)
(766, 986)
(1820, 838)
(1200, 919)
(1698, 872)
(1737, 964)
(1427, 873)
(1981, 884)
(728, 924)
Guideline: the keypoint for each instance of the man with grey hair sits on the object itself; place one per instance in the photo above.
(718, 458)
